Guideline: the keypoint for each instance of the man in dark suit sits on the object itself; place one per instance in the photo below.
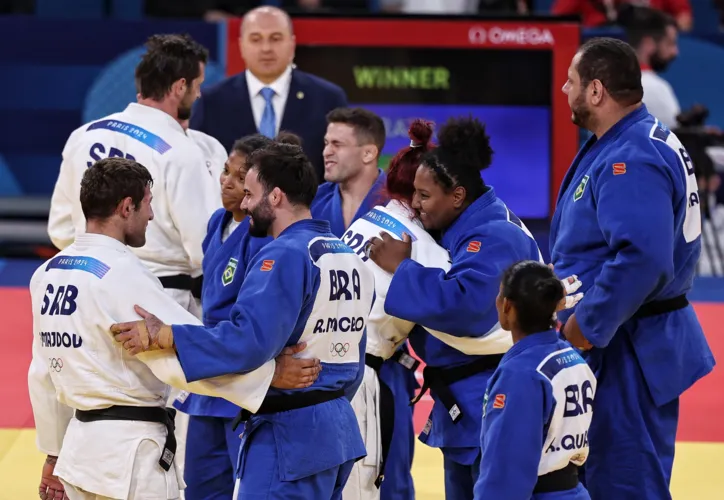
(271, 95)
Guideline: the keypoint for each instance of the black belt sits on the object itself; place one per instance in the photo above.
(287, 402)
(183, 282)
(661, 307)
(156, 414)
(438, 381)
(387, 403)
(558, 480)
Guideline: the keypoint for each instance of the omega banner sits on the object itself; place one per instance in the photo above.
(509, 74)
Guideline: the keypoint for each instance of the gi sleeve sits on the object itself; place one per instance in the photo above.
(636, 216)
(514, 414)
(51, 416)
(61, 229)
(247, 391)
(193, 197)
(261, 322)
(460, 302)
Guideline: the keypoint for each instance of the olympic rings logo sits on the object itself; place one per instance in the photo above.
(56, 364)
(338, 349)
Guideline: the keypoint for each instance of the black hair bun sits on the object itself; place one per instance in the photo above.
(466, 140)
(550, 289)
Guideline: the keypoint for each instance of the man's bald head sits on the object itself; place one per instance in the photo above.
(267, 42)
(265, 15)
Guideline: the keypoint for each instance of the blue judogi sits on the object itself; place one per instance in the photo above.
(537, 412)
(398, 485)
(305, 286)
(484, 241)
(628, 224)
(212, 445)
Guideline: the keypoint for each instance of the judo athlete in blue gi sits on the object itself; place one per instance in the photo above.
(484, 238)
(353, 142)
(627, 222)
(539, 402)
(305, 286)
(213, 445)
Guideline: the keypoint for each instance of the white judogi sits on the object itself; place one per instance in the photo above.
(385, 333)
(214, 152)
(76, 297)
(184, 193)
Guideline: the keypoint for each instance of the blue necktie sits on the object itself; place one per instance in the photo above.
(268, 125)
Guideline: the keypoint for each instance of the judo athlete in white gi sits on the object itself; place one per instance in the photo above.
(628, 223)
(168, 77)
(213, 151)
(100, 411)
(305, 285)
(374, 403)
(539, 402)
(355, 184)
(484, 238)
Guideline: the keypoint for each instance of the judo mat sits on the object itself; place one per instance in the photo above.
(700, 441)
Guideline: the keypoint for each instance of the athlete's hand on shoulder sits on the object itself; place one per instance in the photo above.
(388, 253)
(295, 373)
(146, 335)
(50, 486)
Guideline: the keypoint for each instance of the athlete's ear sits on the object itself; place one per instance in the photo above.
(126, 207)
(275, 197)
(596, 89)
(459, 195)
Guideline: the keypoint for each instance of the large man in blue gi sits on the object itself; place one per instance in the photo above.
(355, 185)
(628, 224)
(305, 286)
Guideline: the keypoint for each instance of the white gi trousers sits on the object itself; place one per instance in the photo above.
(366, 406)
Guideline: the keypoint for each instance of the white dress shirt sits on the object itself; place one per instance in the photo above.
(659, 98)
(280, 86)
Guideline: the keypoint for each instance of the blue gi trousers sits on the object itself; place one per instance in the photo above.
(259, 473)
(398, 484)
(212, 450)
(460, 479)
(631, 439)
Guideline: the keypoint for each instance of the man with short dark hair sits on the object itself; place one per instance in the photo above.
(305, 285)
(653, 35)
(168, 79)
(98, 411)
(628, 224)
(352, 146)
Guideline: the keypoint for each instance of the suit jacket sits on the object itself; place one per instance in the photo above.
(224, 112)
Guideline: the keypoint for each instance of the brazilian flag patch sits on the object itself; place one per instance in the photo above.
(580, 189)
(228, 275)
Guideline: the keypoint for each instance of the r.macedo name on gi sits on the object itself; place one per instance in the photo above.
(343, 324)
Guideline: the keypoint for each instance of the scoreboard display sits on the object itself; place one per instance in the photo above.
(508, 74)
